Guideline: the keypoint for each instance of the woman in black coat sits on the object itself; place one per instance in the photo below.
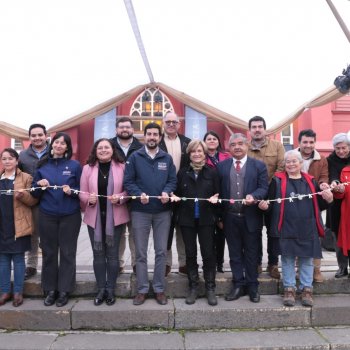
(198, 218)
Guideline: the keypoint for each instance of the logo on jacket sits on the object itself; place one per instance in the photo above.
(162, 166)
(66, 172)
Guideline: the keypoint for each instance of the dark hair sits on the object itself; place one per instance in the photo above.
(13, 152)
(257, 118)
(213, 133)
(153, 126)
(33, 126)
(68, 154)
(307, 133)
(92, 159)
(123, 120)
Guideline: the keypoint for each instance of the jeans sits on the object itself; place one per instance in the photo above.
(19, 267)
(306, 271)
(106, 260)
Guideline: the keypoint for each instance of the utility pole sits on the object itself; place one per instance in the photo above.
(339, 19)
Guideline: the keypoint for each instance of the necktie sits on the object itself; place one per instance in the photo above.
(238, 165)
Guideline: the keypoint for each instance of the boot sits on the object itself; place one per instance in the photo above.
(209, 278)
(318, 277)
(193, 279)
(289, 296)
(306, 297)
(192, 296)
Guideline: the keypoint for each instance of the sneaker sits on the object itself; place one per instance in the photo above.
(289, 296)
(306, 297)
(273, 271)
(183, 270)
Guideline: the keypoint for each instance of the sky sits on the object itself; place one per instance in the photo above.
(251, 57)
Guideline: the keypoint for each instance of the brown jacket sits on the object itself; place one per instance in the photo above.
(22, 211)
(319, 168)
(271, 153)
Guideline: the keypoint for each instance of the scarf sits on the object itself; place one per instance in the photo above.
(109, 218)
(197, 167)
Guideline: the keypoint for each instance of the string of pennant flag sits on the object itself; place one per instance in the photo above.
(175, 198)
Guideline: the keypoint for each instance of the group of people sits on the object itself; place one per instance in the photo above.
(171, 184)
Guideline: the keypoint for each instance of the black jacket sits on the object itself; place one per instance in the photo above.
(135, 145)
(206, 185)
(184, 141)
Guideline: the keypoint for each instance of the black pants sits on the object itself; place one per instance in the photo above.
(106, 260)
(243, 249)
(58, 241)
(206, 243)
(219, 245)
(272, 246)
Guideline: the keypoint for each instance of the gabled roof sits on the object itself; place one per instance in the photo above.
(192, 102)
(13, 131)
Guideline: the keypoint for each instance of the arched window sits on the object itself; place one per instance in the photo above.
(151, 105)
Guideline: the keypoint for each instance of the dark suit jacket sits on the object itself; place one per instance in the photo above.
(184, 141)
(255, 184)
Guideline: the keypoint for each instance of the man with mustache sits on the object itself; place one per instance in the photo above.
(271, 152)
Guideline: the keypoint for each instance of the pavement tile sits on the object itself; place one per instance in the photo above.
(262, 340)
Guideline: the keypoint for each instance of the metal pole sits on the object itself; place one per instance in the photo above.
(135, 28)
(339, 19)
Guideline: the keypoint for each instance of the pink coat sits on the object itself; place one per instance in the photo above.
(222, 156)
(88, 184)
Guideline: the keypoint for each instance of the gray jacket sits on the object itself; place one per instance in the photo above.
(28, 160)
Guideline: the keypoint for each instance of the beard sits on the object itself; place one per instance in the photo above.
(152, 144)
(125, 136)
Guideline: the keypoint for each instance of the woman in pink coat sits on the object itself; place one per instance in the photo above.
(106, 213)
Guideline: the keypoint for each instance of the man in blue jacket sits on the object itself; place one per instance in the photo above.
(150, 172)
(244, 181)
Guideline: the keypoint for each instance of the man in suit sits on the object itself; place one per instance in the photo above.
(244, 181)
(175, 144)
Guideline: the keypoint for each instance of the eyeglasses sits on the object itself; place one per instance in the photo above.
(171, 122)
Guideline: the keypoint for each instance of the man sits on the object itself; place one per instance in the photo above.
(242, 177)
(317, 166)
(175, 144)
(126, 144)
(271, 152)
(150, 172)
(28, 162)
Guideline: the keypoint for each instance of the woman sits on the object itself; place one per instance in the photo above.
(16, 226)
(59, 218)
(105, 214)
(297, 223)
(337, 160)
(342, 193)
(198, 218)
(214, 156)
